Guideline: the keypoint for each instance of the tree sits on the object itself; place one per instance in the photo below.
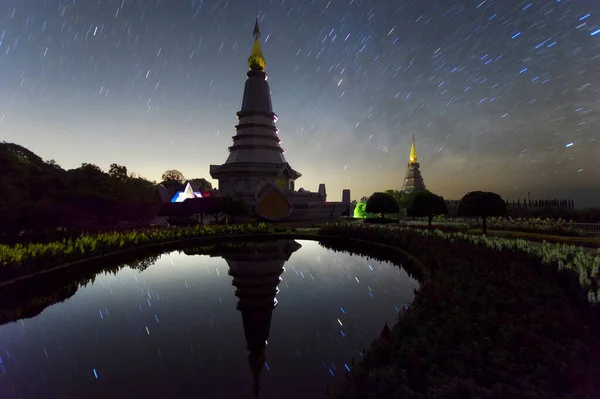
(360, 210)
(482, 204)
(118, 172)
(54, 164)
(90, 168)
(426, 203)
(233, 208)
(173, 174)
(201, 184)
(399, 197)
(382, 203)
(210, 206)
(396, 195)
(89, 177)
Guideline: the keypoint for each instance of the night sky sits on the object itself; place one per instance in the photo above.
(501, 95)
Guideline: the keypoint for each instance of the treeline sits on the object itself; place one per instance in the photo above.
(403, 200)
(39, 194)
(529, 203)
(542, 203)
(540, 208)
(423, 203)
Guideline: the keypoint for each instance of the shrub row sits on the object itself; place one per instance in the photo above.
(22, 259)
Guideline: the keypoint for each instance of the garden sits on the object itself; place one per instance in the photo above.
(494, 318)
(477, 211)
(559, 227)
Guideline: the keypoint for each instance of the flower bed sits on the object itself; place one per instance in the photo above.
(494, 318)
(533, 225)
(585, 264)
(590, 242)
(23, 259)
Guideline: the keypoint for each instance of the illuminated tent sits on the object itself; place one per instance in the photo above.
(188, 192)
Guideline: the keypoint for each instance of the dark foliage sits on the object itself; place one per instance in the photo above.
(380, 220)
(40, 195)
(425, 203)
(233, 208)
(201, 184)
(382, 203)
(199, 207)
(182, 221)
(482, 204)
(173, 175)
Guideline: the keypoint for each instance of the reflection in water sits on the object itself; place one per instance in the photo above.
(28, 299)
(256, 275)
(173, 329)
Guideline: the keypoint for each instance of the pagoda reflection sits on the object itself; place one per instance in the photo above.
(256, 274)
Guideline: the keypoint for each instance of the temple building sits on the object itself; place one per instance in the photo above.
(413, 180)
(256, 170)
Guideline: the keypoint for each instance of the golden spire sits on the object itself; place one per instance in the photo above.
(413, 151)
(256, 61)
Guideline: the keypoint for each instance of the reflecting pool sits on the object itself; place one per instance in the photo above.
(277, 319)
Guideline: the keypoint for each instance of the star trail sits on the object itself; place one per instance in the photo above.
(500, 95)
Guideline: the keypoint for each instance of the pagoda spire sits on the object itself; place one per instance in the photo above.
(413, 180)
(256, 61)
(256, 32)
(256, 156)
(413, 151)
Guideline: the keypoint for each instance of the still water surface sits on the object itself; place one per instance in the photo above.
(195, 326)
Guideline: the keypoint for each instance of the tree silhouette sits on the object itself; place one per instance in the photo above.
(173, 174)
(398, 196)
(53, 163)
(382, 203)
(408, 198)
(233, 208)
(200, 183)
(40, 195)
(482, 204)
(118, 172)
(425, 203)
(90, 168)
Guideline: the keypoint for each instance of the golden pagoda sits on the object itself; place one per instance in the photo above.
(256, 61)
(413, 180)
(256, 170)
(413, 151)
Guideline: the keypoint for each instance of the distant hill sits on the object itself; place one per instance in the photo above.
(37, 194)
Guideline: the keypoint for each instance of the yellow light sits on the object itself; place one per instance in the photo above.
(256, 61)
